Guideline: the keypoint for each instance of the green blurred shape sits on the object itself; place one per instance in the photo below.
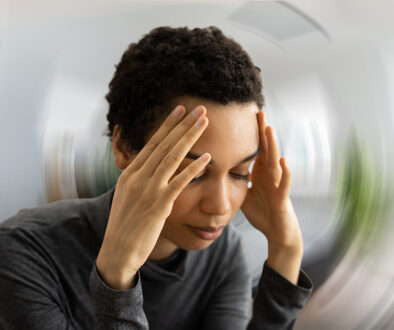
(106, 173)
(363, 198)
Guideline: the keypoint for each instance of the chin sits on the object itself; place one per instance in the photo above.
(196, 244)
(188, 241)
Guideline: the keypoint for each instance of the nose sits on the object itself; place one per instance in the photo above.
(217, 198)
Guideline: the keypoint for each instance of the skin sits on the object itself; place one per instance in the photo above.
(235, 131)
(214, 199)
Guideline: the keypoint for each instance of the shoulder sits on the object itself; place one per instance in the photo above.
(60, 210)
(54, 217)
(55, 211)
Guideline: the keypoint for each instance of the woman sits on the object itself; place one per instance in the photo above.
(156, 251)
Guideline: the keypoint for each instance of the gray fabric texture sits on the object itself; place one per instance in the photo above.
(48, 279)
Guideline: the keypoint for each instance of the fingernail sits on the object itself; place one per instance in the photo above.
(178, 111)
(196, 112)
(199, 122)
(204, 157)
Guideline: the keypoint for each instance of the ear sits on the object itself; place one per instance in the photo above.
(122, 156)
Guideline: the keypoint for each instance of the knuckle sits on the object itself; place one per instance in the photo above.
(194, 168)
(190, 136)
(189, 139)
(152, 144)
(164, 147)
(170, 159)
(177, 185)
(169, 122)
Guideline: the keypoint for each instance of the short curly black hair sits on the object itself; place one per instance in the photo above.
(171, 62)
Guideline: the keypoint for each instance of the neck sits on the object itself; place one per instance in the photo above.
(163, 249)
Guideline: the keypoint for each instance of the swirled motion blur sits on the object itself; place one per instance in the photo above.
(328, 74)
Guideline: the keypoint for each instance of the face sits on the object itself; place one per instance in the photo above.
(218, 191)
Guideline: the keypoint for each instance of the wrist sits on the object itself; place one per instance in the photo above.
(116, 280)
(286, 261)
(294, 250)
(114, 276)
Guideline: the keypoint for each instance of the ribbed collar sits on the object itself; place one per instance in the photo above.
(155, 271)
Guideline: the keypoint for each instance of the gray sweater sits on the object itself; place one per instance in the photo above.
(48, 279)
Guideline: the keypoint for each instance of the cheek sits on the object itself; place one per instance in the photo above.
(184, 203)
(240, 195)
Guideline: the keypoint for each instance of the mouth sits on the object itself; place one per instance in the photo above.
(207, 233)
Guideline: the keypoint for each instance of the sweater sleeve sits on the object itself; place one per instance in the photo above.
(117, 309)
(275, 306)
(28, 291)
(30, 297)
(278, 301)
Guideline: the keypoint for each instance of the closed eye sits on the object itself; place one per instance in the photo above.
(235, 176)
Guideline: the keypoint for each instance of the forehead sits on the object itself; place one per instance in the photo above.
(232, 132)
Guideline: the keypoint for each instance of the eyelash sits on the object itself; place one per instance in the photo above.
(235, 177)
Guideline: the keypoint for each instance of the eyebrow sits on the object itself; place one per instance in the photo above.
(212, 162)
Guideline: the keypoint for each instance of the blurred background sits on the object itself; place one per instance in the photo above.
(328, 76)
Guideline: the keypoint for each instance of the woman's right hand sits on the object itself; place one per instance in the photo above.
(144, 197)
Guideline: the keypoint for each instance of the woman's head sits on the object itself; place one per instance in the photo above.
(195, 67)
(168, 63)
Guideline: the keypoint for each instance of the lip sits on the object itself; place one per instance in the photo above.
(207, 233)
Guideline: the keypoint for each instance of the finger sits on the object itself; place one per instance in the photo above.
(273, 153)
(163, 140)
(179, 182)
(284, 186)
(170, 122)
(263, 137)
(186, 132)
(174, 158)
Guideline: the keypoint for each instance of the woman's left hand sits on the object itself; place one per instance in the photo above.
(267, 205)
